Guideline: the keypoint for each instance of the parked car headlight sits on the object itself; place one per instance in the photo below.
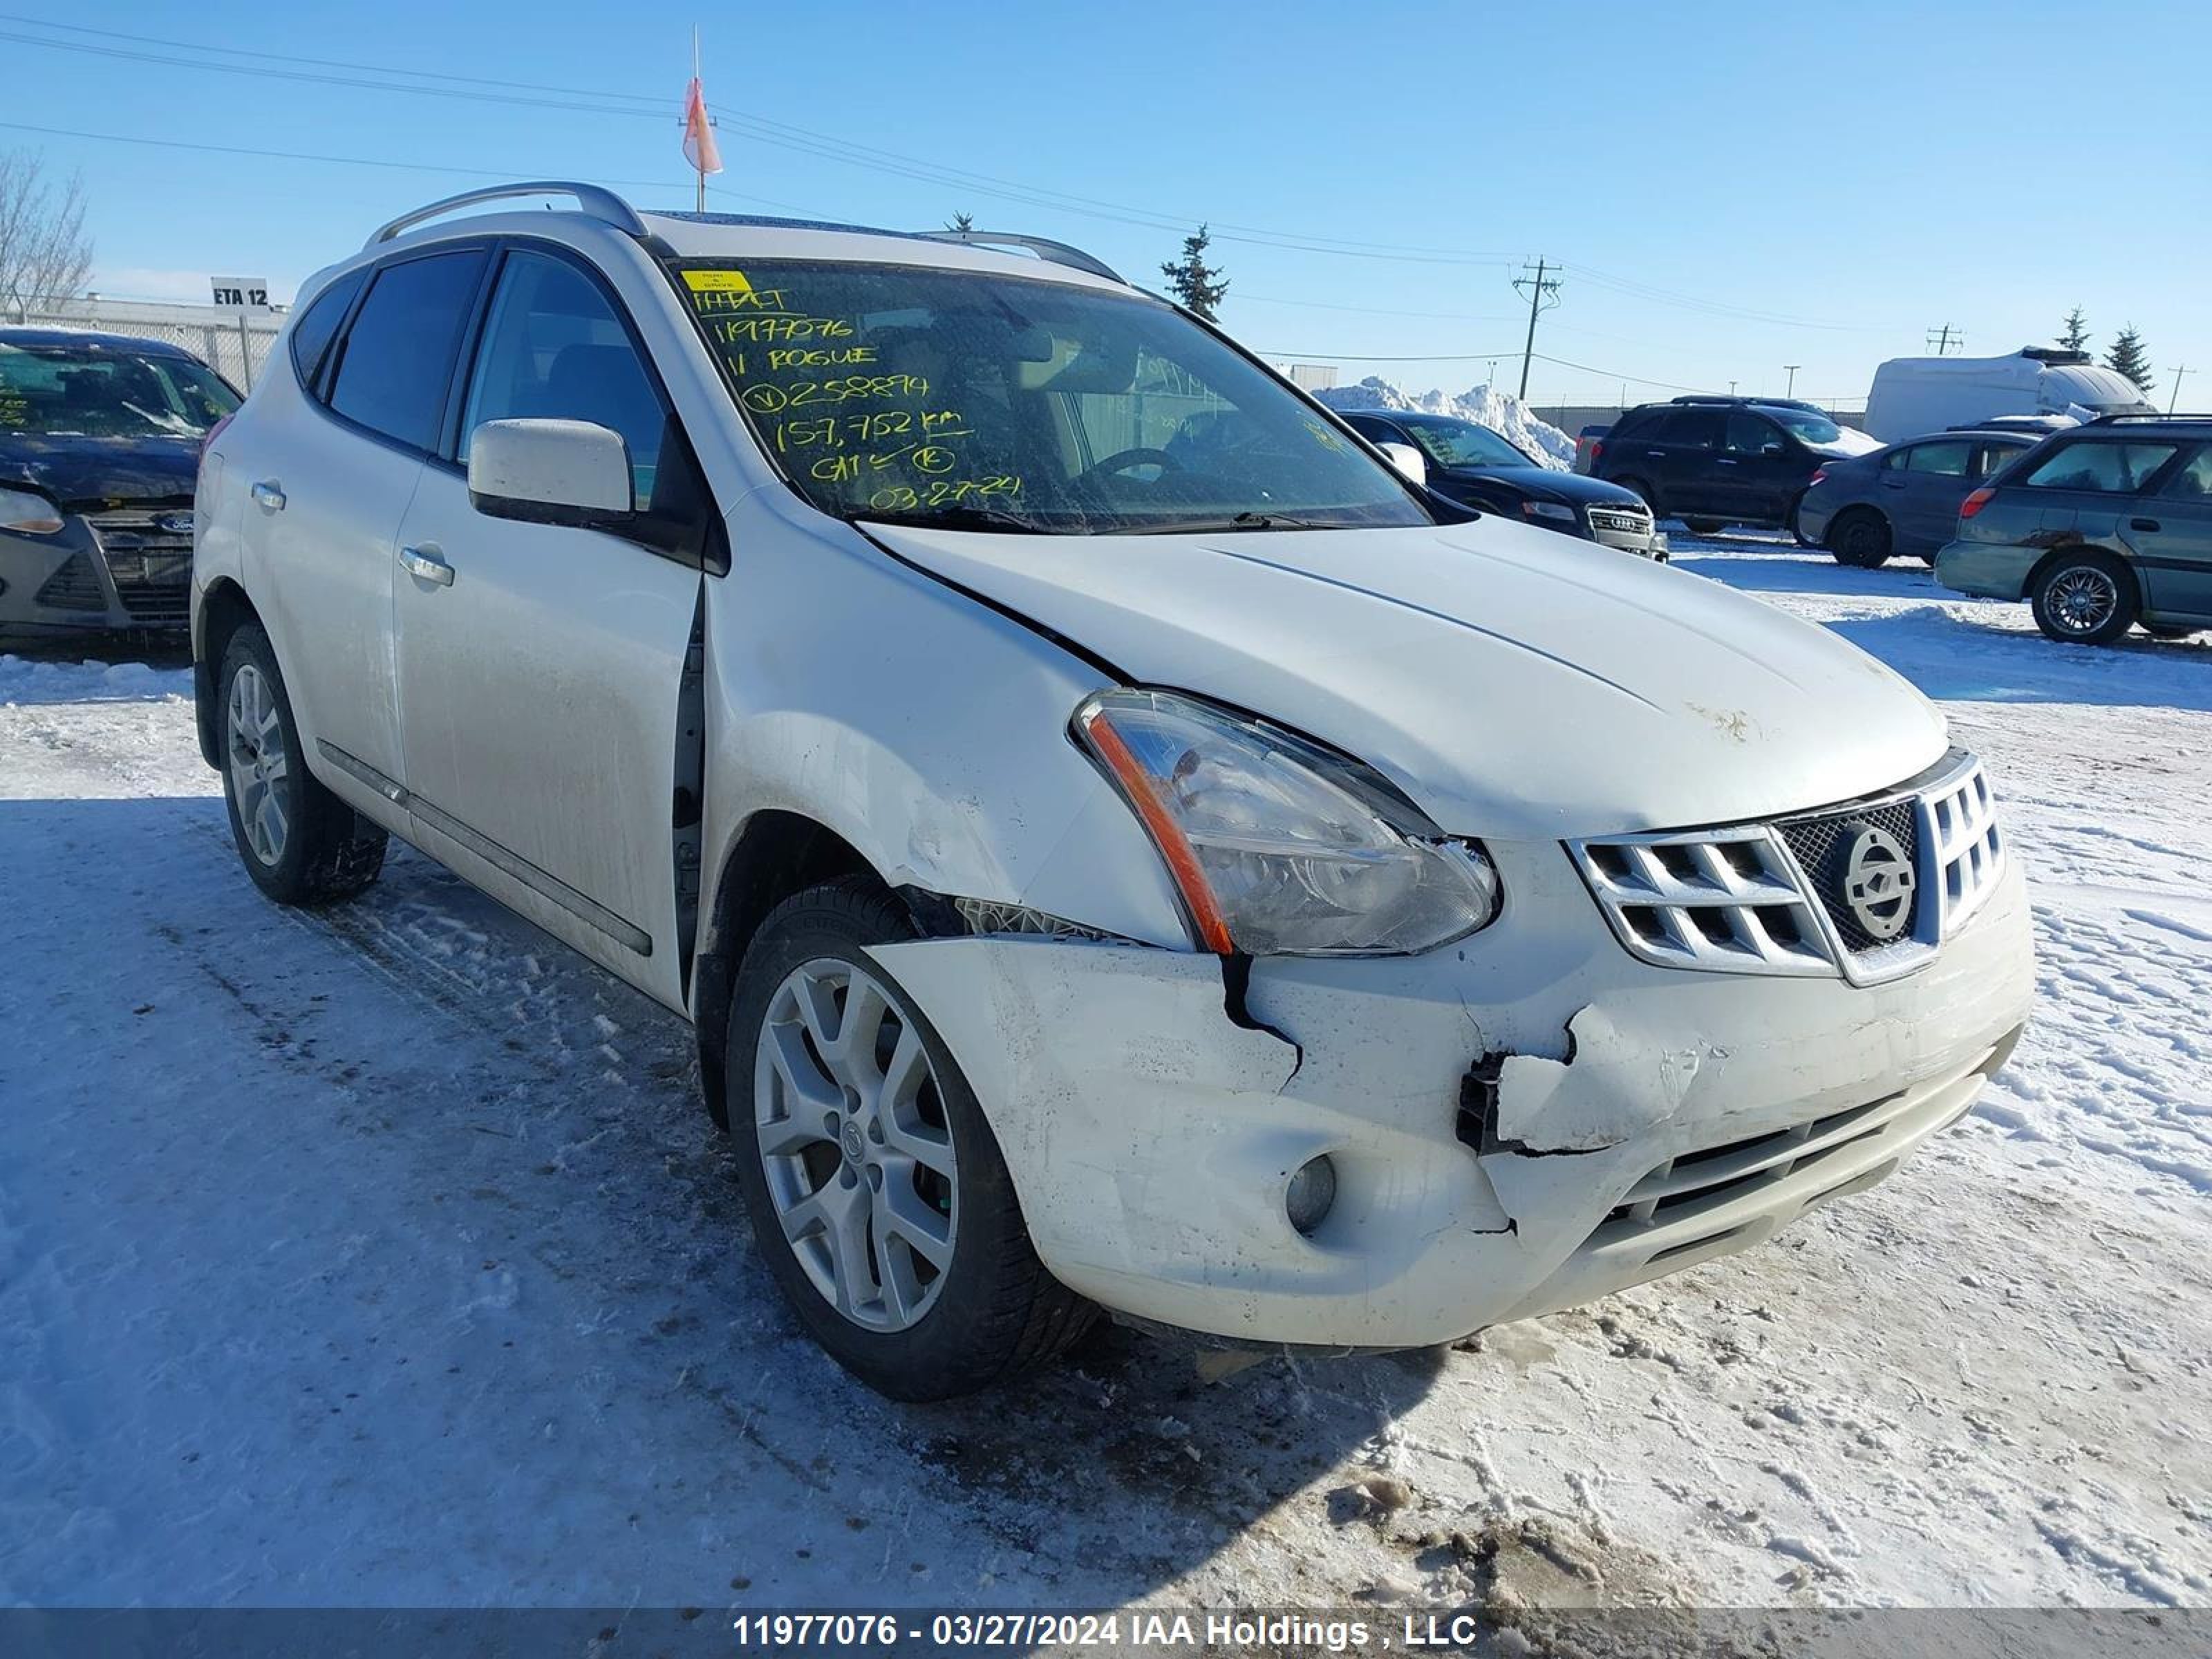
(1558, 510)
(28, 513)
(1277, 845)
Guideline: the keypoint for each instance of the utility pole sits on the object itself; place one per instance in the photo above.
(1543, 292)
(1731, 388)
(1791, 390)
(1944, 337)
(2178, 371)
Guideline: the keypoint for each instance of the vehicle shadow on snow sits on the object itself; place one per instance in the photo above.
(548, 1116)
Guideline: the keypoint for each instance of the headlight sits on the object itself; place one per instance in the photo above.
(28, 514)
(1277, 845)
(1558, 510)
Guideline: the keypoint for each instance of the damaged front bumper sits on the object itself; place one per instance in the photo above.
(1518, 1123)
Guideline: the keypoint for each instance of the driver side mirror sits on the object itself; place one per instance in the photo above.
(1408, 460)
(563, 472)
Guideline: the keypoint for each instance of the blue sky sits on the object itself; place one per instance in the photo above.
(1731, 189)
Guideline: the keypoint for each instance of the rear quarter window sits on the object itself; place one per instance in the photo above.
(319, 325)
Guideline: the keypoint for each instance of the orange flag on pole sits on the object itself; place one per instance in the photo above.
(698, 147)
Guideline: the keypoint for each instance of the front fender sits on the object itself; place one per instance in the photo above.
(923, 727)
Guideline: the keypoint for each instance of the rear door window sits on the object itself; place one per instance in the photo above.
(1697, 429)
(1950, 460)
(396, 363)
(2109, 468)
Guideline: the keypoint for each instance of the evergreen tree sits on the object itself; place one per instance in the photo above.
(2076, 335)
(961, 221)
(2128, 358)
(1199, 285)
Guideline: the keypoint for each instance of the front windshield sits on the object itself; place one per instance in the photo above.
(927, 396)
(1814, 429)
(72, 391)
(1451, 443)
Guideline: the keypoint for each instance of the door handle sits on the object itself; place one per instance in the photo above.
(1723, 460)
(1892, 483)
(427, 562)
(2143, 524)
(1654, 454)
(268, 497)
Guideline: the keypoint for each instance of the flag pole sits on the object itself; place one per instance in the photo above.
(703, 150)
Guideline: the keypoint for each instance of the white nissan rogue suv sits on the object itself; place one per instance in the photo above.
(1121, 845)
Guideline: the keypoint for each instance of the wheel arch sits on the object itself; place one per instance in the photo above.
(223, 610)
(778, 852)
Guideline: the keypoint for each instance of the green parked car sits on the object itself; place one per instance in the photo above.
(2100, 528)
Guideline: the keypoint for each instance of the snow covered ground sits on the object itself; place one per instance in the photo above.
(384, 1257)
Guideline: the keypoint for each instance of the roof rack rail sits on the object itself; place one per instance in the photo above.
(595, 199)
(2113, 420)
(1060, 253)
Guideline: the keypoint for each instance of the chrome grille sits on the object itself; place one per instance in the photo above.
(1619, 520)
(1969, 853)
(1768, 898)
(1722, 899)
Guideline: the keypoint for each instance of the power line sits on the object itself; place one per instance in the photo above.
(819, 145)
(1943, 338)
(359, 160)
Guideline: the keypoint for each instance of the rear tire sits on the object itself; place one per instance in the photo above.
(301, 843)
(1705, 527)
(1860, 538)
(898, 1240)
(2084, 597)
(2162, 632)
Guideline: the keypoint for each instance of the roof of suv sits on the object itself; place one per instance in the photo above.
(687, 235)
(2176, 426)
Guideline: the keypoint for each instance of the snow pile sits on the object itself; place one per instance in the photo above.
(1485, 405)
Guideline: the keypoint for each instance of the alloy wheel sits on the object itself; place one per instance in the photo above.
(2083, 599)
(260, 768)
(856, 1145)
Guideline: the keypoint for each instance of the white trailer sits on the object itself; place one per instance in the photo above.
(1915, 395)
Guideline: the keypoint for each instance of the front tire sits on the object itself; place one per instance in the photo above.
(1861, 539)
(301, 843)
(878, 1196)
(2084, 597)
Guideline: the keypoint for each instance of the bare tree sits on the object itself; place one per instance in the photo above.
(44, 255)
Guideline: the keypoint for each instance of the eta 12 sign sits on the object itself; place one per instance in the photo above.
(244, 293)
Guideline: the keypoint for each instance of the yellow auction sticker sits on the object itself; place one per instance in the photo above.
(717, 281)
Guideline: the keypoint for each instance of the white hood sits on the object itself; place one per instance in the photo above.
(1511, 680)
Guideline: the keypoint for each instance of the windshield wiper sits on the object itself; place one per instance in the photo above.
(955, 517)
(1246, 521)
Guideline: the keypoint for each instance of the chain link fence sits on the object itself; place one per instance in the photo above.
(234, 343)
